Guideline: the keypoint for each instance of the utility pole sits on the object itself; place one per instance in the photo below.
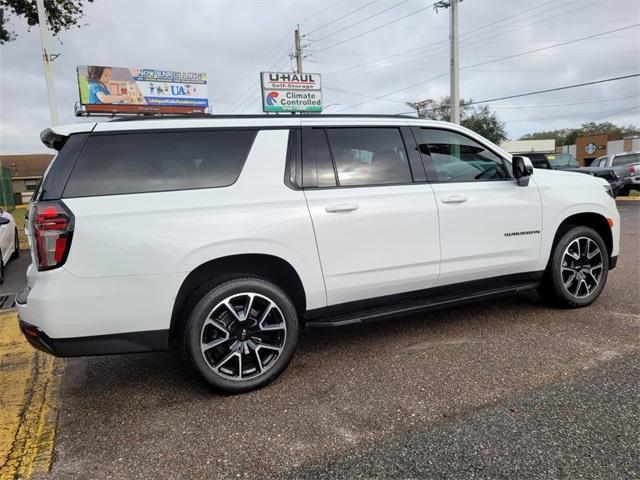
(454, 75)
(298, 50)
(47, 58)
(455, 65)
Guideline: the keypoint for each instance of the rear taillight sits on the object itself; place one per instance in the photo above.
(632, 170)
(52, 232)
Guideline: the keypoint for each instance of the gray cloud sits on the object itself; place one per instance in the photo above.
(230, 39)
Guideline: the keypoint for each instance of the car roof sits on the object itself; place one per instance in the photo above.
(221, 121)
(57, 135)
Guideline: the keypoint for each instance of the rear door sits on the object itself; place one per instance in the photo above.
(374, 215)
(489, 226)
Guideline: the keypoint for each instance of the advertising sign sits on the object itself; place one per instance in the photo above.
(120, 89)
(291, 92)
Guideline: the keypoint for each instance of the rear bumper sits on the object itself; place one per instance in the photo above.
(97, 345)
(66, 316)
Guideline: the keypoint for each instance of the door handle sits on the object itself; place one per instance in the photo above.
(344, 207)
(454, 199)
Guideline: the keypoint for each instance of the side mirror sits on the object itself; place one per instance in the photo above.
(4, 220)
(522, 170)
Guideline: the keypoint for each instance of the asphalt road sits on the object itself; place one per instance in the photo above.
(502, 389)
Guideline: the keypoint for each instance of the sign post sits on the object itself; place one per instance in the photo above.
(291, 92)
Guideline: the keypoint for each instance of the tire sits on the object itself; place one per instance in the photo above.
(235, 352)
(1, 268)
(16, 251)
(577, 270)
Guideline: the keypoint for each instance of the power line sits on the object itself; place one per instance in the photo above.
(414, 51)
(364, 20)
(375, 28)
(321, 11)
(528, 52)
(258, 62)
(538, 92)
(616, 113)
(555, 105)
(569, 42)
(557, 89)
(241, 98)
(343, 16)
(608, 115)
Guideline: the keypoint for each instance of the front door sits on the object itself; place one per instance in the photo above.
(489, 226)
(376, 229)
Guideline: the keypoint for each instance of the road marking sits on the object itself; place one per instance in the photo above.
(29, 403)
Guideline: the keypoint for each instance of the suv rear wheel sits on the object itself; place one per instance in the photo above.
(578, 269)
(241, 334)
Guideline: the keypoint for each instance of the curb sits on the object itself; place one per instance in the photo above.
(635, 198)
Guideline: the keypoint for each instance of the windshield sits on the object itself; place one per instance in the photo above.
(626, 159)
(562, 160)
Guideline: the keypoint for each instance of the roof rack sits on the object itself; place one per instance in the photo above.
(261, 116)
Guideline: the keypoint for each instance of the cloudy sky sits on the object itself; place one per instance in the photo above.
(373, 55)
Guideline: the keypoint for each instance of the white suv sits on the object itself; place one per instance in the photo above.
(227, 235)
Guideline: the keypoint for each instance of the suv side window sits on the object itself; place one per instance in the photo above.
(369, 156)
(326, 176)
(457, 158)
(161, 161)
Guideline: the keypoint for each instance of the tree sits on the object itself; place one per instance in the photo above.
(568, 136)
(479, 119)
(61, 15)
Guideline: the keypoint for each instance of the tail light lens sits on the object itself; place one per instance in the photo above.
(52, 232)
(632, 170)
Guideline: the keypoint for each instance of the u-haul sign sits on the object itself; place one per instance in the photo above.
(291, 92)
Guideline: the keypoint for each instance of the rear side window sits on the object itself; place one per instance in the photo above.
(369, 156)
(156, 162)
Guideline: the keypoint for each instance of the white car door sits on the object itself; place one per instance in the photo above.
(489, 225)
(6, 236)
(376, 228)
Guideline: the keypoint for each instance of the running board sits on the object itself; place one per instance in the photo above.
(416, 306)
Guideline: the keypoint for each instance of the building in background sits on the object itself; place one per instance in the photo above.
(590, 147)
(522, 146)
(26, 172)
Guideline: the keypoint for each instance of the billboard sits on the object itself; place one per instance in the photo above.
(134, 90)
(291, 92)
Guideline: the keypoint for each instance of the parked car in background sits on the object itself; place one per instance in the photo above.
(626, 166)
(551, 161)
(226, 236)
(9, 243)
(567, 162)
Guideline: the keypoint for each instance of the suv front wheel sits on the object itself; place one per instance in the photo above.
(241, 334)
(578, 269)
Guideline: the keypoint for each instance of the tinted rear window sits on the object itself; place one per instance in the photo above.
(156, 162)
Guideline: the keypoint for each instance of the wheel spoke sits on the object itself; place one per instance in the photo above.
(568, 283)
(231, 310)
(218, 365)
(213, 343)
(247, 308)
(269, 328)
(268, 346)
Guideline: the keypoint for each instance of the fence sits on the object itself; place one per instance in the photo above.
(6, 189)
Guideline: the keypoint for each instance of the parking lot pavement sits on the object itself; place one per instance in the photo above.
(14, 278)
(488, 390)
